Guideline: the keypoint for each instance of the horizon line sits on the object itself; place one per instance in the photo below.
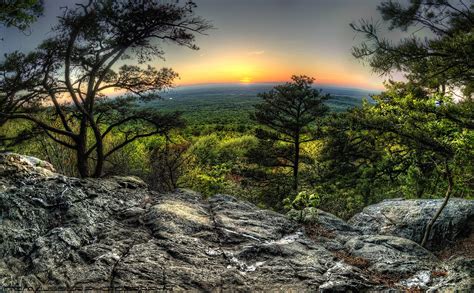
(184, 85)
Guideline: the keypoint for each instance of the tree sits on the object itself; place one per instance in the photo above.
(69, 74)
(351, 161)
(289, 114)
(168, 165)
(444, 60)
(20, 13)
(423, 112)
(411, 114)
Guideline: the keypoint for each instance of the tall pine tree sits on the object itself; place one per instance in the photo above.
(288, 116)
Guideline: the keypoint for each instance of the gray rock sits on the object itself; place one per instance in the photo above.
(11, 163)
(391, 255)
(408, 219)
(325, 220)
(459, 276)
(61, 233)
(420, 280)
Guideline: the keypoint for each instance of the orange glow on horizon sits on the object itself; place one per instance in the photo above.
(345, 82)
(264, 67)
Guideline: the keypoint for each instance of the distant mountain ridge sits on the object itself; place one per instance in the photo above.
(232, 103)
(256, 88)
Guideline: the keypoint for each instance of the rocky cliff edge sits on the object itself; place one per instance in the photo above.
(65, 233)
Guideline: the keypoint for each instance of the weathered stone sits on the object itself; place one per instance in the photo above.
(408, 219)
(344, 278)
(62, 233)
(458, 276)
(391, 255)
(14, 163)
(325, 220)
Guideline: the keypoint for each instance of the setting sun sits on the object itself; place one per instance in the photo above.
(246, 80)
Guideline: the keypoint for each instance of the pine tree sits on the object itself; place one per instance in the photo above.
(289, 115)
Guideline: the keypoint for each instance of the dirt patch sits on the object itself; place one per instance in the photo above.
(390, 281)
(355, 261)
(463, 247)
(437, 274)
(314, 231)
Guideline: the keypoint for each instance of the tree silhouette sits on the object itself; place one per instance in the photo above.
(444, 59)
(68, 75)
(20, 13)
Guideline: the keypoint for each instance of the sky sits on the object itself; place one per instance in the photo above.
(254, 41)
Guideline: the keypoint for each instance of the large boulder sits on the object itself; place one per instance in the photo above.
(327, 222)
(22, 167)
(391, 255)
(62, 233)
(408, 219)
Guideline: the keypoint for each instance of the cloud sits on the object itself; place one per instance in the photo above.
(256, 52)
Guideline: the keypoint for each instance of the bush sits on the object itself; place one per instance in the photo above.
(303, 203)
(167, 166)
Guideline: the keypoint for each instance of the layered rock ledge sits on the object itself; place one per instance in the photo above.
(62, 233)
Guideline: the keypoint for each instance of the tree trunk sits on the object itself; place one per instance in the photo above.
(443, 205)
(99, 149)
(81, 150)
(296, 164)
(100, 158)
(82, 160)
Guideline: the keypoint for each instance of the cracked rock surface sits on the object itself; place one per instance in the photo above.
(59, 233)
(408, 219)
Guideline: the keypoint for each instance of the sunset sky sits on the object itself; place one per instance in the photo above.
(255, 41)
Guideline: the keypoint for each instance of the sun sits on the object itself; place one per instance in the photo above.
(245, 80)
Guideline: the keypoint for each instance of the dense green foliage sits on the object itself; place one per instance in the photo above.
(402, 146)
(349, 167)
(422, 113)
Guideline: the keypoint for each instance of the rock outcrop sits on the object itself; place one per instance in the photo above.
(58, 233)
(408, 219)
